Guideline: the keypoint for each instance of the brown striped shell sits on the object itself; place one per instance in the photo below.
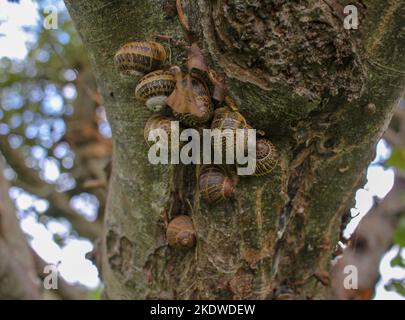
(140, 57)
(203, 98)
(180, 233)
(226, 119)
(266, 157)
(158, 121)
(215, 185)
(153, 89)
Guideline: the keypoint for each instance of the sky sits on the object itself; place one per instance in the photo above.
(71, 256)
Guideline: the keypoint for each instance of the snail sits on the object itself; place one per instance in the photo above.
(153, 89)
(224, 119)
(215, 185)
(266, 157)
(158, 121)
(228, 119)
(203, 101)
(190, 101)
(140, 57)
(180, 233)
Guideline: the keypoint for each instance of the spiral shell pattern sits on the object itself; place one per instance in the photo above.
(158, 121)
(180, 233)
(140, 57)
(266, 157)
(214, 184)
(225, 119)
(154, 87)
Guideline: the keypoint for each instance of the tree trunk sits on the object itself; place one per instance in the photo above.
(322, 94)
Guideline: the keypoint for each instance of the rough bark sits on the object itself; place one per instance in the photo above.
(322, 94)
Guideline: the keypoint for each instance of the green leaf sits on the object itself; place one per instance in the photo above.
(397, 158)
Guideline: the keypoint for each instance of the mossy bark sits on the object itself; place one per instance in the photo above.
(322, 94)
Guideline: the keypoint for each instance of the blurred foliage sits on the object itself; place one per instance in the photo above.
(397, 159)
(37, 96)
(95, 294)
(397, 286)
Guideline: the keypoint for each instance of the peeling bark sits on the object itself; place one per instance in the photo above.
(297, 75)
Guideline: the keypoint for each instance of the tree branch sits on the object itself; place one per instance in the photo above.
(367, 245)
(29, 180)
(17, 272)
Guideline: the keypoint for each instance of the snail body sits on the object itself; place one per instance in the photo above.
(158, 121)
(202, 96)
(215, 185)
(180, 233)
(154, 88)
(140, 57)
(266, 157)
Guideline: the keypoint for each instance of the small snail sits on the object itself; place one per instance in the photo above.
(224, 119)
(158, 121)
(215, 185)
(180, 233)
(190, 101)
(154, 88)
(266, 157)
(140, 57)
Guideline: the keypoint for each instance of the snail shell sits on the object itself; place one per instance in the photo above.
(180, 233)
(158, 121)
(224, 119)
(215, 185)
(266, 157)
(203, 98)
(227, 119)
(140, 57)
(153, 89)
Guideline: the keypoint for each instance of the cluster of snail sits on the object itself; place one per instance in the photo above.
(195, 101)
